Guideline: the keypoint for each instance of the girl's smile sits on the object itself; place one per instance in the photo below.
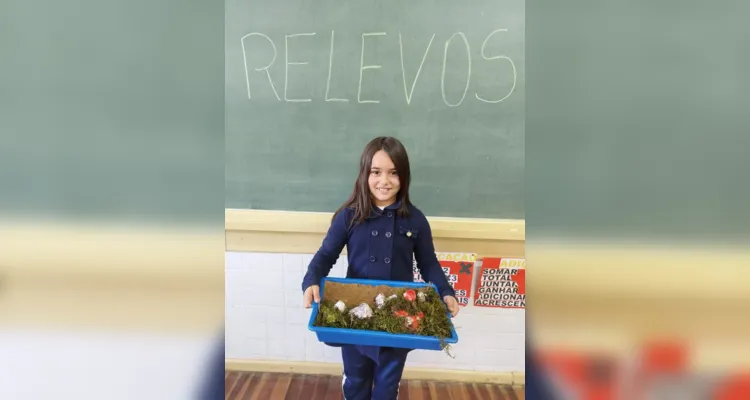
(383, 181)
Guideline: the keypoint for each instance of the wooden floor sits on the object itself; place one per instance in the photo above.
(272, 386)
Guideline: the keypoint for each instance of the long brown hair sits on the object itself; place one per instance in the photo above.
(360, 199)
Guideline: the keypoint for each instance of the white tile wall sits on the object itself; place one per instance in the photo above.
(265, 320)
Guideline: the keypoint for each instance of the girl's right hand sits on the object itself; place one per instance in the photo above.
(311, 293)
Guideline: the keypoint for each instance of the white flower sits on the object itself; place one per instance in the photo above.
(421, 296)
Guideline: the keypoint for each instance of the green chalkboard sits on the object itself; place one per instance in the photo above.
(112, 110)
(308, 84)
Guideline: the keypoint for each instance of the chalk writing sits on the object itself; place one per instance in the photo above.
(407, 92)
(244, 57)
(372, 46)
(330, 68)
(445, 63)
(288, 63)
(363, 67)
(515, 75)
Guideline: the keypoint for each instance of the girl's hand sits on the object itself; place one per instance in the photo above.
(452, 304)
(311, 293)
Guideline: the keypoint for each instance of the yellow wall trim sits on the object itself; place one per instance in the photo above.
(503, 378)
(318, 222)
(302, 232)
(61, 250)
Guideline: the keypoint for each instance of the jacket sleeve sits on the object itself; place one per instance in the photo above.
(329, 251)
(427, 261)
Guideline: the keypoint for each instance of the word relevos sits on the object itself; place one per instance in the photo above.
(365, 66)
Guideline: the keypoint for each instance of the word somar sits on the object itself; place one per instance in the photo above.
(365, 65)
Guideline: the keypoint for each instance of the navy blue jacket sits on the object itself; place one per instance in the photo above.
(382, 247)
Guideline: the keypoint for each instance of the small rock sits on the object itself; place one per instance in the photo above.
(380, 300)
(362, 311)
(340, 306)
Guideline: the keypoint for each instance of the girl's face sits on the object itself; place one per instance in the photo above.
(383, 181)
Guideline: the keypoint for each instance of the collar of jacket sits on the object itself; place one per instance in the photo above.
(376, 212)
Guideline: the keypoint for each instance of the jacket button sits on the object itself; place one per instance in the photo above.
(374, 233)
(390, 214)
(387, 234)
(387, 260)
(372, 258)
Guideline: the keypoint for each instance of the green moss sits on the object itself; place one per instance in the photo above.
(435, 322)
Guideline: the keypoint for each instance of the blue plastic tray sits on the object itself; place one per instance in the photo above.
(375, 338)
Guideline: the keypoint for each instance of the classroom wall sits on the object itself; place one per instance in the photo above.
(265, 320)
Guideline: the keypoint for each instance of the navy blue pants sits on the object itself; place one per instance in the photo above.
(362, 372)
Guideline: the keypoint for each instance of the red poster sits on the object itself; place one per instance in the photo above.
(459, 269)
(502, 283)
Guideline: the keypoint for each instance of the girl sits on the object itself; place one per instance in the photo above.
(383, 233)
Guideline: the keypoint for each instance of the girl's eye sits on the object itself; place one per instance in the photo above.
(394, 173)
(375, 172)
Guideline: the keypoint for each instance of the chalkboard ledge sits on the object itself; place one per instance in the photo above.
(302, 232)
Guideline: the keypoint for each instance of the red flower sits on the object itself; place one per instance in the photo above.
(401, 313)
(410, 295)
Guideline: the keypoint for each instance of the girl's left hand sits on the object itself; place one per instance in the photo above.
(452, 304)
